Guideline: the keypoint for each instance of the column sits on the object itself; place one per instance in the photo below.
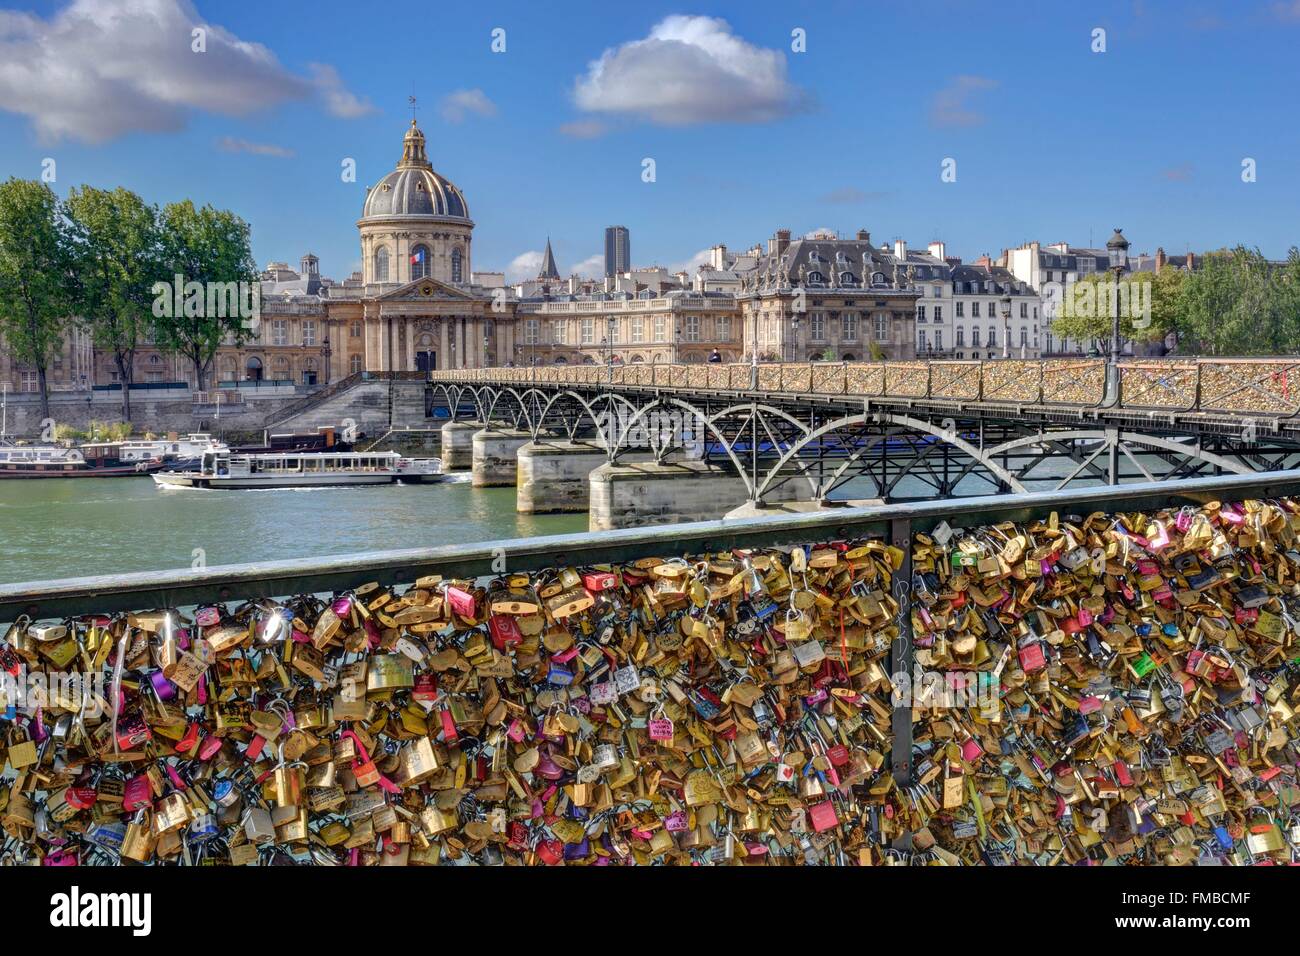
(442, 341)
(460, 343)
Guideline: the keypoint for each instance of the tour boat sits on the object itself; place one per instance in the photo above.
(301, 470)
(93, 460)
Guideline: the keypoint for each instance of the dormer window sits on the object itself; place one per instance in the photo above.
(877, 278)
(848, 278)
(816, 278)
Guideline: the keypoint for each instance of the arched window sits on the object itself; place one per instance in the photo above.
(848, 278)
(421, 264)
(816, 278)
(456, 265)
(381, 264)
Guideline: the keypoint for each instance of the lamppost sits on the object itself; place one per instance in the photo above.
(794, 336)
(487, 356)
(611, 326)
(1117, 250)
(1004, 309)
(325, 353)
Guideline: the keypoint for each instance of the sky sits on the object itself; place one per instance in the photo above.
(984, 125)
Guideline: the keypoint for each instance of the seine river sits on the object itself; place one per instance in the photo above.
(60, 528)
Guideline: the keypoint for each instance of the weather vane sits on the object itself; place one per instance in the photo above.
(411, 100)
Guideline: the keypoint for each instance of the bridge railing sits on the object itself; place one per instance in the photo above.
(1260, 387)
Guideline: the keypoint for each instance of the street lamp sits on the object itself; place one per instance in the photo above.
(325, 353)
(1117, 249)
(487, 356)
(611, 325)
(794, 336)
(1004, 309)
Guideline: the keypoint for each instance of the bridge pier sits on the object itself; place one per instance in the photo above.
(458, 445)
(493, 456)
(630, 495)
(554, 476)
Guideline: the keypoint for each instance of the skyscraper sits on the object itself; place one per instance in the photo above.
(618, 250)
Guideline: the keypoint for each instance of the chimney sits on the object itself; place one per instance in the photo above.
(1160, 258)
(864, 236)
(938, 250)
(1191, 261)
(900, 250)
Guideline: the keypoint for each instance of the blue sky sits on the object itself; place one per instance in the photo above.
(1051, 140)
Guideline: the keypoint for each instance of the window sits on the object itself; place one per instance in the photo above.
(308, 332)
(846, 278)
(457, 261)
(961, 337)
(723, 325)
(1024, 310)
(920, 338)
(975, 337)
(961, 310)
(355, 330)
(816, 278)
(661, 329)
(974, 310)
(692, 328)
(354, 364)
(531, 327)
(882, 327)
(1024, 336)
(279, 332)
(920, 313)
(381, 264)
(638, 330)
(849, 327)
(938, 313)
(421, 265)
(817, 327)
(938, 340)
(993, 335)
(588, 331)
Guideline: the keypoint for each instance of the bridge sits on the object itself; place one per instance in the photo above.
(886, 430)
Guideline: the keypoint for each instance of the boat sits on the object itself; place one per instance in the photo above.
(93, 460)
(324, 438)
(171, 449)
(301, 470)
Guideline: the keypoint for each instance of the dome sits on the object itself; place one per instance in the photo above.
(413, 188)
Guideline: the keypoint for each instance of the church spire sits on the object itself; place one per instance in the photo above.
(548, 263)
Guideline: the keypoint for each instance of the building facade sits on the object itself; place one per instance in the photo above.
(618, 250)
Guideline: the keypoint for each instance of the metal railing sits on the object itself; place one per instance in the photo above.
(107, 594)
(1264, 387)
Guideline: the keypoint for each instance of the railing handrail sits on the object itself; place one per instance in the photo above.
(183, 588)
(1284, 404)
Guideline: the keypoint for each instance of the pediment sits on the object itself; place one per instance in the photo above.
(422, 290)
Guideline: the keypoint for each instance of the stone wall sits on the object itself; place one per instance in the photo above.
(157, 412)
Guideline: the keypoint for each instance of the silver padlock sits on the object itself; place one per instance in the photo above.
(258, 826)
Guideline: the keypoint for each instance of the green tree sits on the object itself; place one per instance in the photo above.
(35, 276)
(1238, 303)
(1150, 307)
(206, 246)
(115, 243)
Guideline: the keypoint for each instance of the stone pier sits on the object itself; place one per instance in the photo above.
(554, 475)
(458, 445)
(494, 451)
(629, 495)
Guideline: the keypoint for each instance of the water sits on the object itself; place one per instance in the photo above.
(60, 528)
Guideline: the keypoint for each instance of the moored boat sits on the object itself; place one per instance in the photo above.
(93, 460)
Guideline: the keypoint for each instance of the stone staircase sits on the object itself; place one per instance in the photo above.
(373, 401)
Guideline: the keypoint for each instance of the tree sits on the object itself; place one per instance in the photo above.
(35, 276)
(1239, 303)
(203, 250)
(115, 245)
(1150, 307)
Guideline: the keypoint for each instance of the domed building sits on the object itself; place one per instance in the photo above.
(415, 223)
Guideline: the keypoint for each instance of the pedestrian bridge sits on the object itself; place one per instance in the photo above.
(886, 430)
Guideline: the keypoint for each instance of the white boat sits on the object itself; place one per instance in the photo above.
(301, 470)
(191, 446)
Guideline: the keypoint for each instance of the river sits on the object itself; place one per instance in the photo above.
(60, 528)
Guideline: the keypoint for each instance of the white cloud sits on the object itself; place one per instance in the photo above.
(822, 233)
(689, 265)
(99, 69)
(689, 70)
(339, 101)
(584, 129)
(592, 267)
(526, 265)
(458, 104)
(230, 144)
(952, 105)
